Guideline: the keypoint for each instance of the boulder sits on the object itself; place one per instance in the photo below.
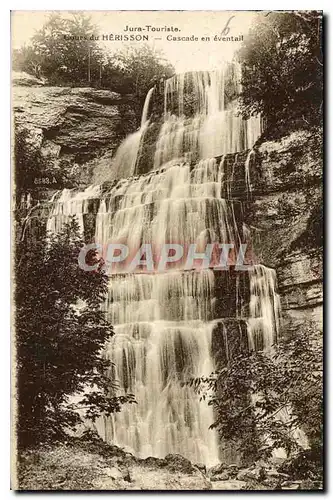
(224, 476)
(24, 79)
(178, 463)
(294, 485)
(201, 467)
(276, 474)
(113, 472)
(216, 469)
(252, 474)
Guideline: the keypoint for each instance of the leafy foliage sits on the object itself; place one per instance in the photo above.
(263, 400)
(60, 334)
(35, 171)
(29, 162)
(282, 67)
(64, 51)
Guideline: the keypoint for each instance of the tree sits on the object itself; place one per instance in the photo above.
(64, 50)
(282, 67)
(262, 399)
(29, 162)
(26, 59)
(61, 331)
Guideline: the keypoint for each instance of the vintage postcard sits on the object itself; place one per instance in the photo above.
(167, 250)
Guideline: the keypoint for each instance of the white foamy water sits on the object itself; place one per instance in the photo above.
(163, 321)
(216, 128)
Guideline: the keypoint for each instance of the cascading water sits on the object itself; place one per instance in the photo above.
(215, 129)
(162, 337)
(164, 320)
(125, 159)
(265, 309)
(71, 203)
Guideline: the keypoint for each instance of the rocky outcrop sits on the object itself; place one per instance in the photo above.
(258, 476)
(286, 222)
(89, 466)
(77, 125)
(22, 78)
(93, 465)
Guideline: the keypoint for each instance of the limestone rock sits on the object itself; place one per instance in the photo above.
(248, 474)
(216, 469)
(178, 463)
(77, 124)
(276, 475)
(201, 467)
(24, 79)
(113, 472)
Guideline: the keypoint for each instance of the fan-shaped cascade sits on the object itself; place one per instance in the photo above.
(201, 120)
(168, 322)
(216, 126)
(265, 309)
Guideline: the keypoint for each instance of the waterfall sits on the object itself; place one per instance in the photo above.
(126, 156)
(216, 128)
(71, 203)
(265, 309)
(176, 205)
(144, 117)
(156, 348)
(164, 320)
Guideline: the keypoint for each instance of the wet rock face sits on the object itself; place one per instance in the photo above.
(300, 276)
(77, 124)
(288, 196)
(286, 222)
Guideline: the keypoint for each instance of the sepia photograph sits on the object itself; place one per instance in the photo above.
(167, 248)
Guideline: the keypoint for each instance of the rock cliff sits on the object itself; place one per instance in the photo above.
(84, 126)
(75, 125)
(286, 219)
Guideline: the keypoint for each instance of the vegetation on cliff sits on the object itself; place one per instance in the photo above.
(282, 68)
(265, 401)
(65, 51)
(35, 171)
(61, 331)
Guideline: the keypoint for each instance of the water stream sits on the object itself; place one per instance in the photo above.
(164, 321)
